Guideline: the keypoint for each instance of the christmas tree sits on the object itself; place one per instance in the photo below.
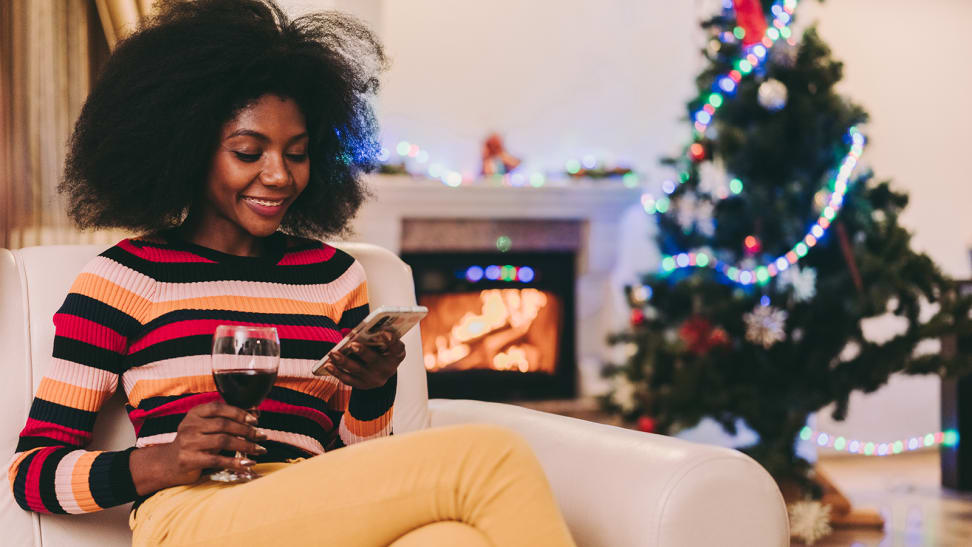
(776, 245)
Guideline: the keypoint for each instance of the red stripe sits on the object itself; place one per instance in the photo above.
(309, 256)
(271, 405)
(179, 406)
(32, 487)
(57, 432)
(86, 330)
(156, 254)
(195, 327)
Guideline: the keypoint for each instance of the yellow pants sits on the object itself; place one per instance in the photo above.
(470, 485)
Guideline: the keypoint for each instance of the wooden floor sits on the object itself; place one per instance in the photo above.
(903, 488)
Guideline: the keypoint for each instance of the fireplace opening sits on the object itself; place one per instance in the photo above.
(500, 326)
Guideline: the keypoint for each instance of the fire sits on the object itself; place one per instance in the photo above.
(497, 335)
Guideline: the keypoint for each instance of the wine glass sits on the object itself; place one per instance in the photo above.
(245, 361)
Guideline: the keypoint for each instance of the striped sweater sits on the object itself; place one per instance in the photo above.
(144, 312)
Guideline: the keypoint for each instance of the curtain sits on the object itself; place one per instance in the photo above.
(120, 17)
(49, 52)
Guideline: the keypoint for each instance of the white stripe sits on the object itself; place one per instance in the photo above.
(121, 275)
(202, 365)
(82, 376)
(350, 438)
(62, 482)
(161, 438)
(327, 293)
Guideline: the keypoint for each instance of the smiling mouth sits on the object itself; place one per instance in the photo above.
(264, 202)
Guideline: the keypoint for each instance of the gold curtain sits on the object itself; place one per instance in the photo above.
(49, 50)
(120, 17)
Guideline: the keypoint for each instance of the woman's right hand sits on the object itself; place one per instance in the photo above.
(206, 430)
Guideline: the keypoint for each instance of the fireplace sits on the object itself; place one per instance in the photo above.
(500, 325)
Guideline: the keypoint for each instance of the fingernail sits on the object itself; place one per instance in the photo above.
(260, 434)
(251, 419)
(247, 462)
(260, 449)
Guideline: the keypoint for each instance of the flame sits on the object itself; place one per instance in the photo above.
(509, 313)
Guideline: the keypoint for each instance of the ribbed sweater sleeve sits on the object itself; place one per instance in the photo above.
(367, 413)
(50, 471)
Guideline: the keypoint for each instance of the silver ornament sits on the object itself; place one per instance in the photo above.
(772, 94)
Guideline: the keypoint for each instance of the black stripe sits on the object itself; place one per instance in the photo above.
(20, 481)
(110, 479)
(99, 312)
(87, 354)
(368, 404)
(292, 424)
(352, 316)
(26, 443)
(48, 471)
(299, 319)
(62, 415)
(202, 344)
(297, 398)
(162, 424)
(191, 272)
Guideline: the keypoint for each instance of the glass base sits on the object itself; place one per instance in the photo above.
(233, 477)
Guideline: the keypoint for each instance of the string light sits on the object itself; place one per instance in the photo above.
(949, 437)
(495, 272)
(770, 269)
(726, 85)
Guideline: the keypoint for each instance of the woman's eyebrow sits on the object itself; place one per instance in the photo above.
(261, 136)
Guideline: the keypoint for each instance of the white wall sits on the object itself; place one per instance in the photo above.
(563, 78)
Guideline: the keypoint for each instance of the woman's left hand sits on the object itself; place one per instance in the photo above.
(368, 367)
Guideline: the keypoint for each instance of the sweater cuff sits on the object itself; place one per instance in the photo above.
(111, 480)
(370, 404)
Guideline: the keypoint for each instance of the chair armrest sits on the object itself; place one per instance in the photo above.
(618, 487)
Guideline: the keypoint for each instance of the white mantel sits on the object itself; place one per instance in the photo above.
(601, 205)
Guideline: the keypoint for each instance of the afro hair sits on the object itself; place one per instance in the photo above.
(143, 144)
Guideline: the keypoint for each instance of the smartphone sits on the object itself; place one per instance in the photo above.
(396, 319)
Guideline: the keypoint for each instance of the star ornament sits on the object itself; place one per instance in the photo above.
(765, 325)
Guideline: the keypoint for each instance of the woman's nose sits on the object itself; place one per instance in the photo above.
(275, 172)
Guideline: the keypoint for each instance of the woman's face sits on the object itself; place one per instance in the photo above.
(259, 169)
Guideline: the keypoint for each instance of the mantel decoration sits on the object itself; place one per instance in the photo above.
(776, 245)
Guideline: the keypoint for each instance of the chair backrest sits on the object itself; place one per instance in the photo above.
(33, 284)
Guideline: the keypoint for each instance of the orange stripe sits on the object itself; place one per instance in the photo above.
(71, 395)
(251, 304)
(358, 296)
(340, 398)
(368, 428)
(315, 387)
(79, 482)
(12, 470)
(116, 296)
(170, 386)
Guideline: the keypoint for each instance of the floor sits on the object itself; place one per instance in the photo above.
(904, 488)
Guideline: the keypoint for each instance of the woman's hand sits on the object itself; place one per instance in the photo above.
(206, 430)
(368, 367)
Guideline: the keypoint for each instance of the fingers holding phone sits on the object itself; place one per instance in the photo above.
(367, 366)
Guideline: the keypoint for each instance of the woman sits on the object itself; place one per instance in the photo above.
(213, 128)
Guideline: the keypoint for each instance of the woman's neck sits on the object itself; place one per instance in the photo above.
(221, 235)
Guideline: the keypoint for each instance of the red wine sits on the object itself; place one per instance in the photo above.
(244, 388)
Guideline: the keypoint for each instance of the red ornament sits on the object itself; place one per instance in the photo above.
(697, 152)
(752, 245)
(637, 317)
(699, 335)
(646, 424)
(750, 16)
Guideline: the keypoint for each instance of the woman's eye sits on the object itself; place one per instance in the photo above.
(297, 157)
(249, 158)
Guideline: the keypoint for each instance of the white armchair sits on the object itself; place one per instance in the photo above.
(615, 487)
